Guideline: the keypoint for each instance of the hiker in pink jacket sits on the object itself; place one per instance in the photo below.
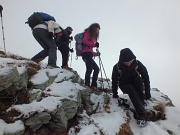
(91, 35)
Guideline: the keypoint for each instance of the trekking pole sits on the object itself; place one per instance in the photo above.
(102, 85)
(104, 72)
(103, 68)
(1, 8)
(71, 56)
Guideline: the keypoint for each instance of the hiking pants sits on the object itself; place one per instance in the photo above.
(64, 49)
(135, 92)
(48, 45)
(90, 65)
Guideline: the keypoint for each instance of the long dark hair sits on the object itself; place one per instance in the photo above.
(92, 31)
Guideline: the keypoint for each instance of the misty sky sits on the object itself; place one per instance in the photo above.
(151, 29)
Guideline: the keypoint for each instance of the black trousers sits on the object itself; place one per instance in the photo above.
(64, 49)
(135, 92)
(90, 65)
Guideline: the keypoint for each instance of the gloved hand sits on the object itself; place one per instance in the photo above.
(97, 44)
(1, 8)
(50, 35)
(71, 38)
(71, 50)
(99, 53)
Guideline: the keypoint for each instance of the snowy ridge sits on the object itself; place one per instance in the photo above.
(108, 118)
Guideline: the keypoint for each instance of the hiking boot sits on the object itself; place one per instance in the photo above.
(87, 84)
(67, 68)
(94, 89)
(141, 122)
(52, 66)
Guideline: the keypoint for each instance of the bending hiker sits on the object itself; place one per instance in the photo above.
(132, 77)
(63, 46)
(91, 35)
(44, 35)
(44, 28)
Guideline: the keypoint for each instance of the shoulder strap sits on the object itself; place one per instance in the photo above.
(136, 68)
(119, 70)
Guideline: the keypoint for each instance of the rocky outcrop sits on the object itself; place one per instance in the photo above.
(38, 121)
(16, 83)
(12, 78)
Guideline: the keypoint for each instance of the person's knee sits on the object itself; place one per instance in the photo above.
(127, 88)
(96, 70)
(89, 70)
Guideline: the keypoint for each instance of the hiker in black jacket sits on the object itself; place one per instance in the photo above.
(62, 43)
(132, 77)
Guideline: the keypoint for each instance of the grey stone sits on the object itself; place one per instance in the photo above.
(9, 79)
(38, 120)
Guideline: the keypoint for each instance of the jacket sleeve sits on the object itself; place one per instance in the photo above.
(65, 36)
(144, 74)
(87, 41)
(114, 78)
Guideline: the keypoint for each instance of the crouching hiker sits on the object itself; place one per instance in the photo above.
(62, 43)
(132, 77)
(44, 34)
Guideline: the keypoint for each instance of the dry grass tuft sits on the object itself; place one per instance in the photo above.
(16, 57)
(2, 53)
(157, 113)
(160, 107)
(107, 108)
(32, 68)
(125, 128)
(13, 112)
(8, 117)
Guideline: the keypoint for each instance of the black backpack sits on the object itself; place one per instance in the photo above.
(34, 19)
(38, 18)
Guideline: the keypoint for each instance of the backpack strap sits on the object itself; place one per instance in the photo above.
(136, 68)
(119, 70)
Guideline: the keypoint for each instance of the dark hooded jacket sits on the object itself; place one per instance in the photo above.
(64, 39)
(123, 74)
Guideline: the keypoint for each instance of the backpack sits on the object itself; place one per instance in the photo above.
(79, 43)
(39, 18)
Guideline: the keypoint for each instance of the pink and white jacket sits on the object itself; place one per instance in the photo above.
(90, 43)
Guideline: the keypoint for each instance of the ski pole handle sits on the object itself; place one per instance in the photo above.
(1, 8)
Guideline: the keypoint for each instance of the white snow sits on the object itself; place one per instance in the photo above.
(107, 122)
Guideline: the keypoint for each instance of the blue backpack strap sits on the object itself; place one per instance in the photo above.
(46, 17)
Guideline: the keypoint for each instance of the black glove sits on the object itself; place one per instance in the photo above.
(97, 44)
(50, 35)
(1, 8)
(71, 38)
(71, 50)
(99, 53)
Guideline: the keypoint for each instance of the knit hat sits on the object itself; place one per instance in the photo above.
(126, 55)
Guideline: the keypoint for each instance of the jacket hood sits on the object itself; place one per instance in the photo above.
(126, 55)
